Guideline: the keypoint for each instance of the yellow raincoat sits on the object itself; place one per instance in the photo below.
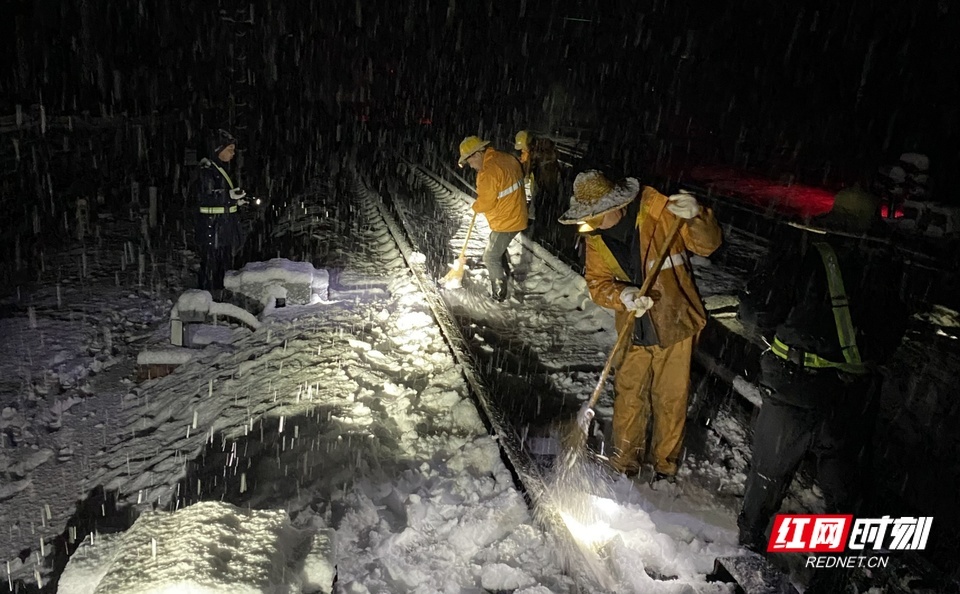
(500, 195)
(654, 380)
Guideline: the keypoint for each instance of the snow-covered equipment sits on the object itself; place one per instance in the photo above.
(198, 307)
(929, 219)
(301, 283)
(909, 178)
(157, 363)
(575, 437)
(453, 278)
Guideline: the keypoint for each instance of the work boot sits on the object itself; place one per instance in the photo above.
(663, 476)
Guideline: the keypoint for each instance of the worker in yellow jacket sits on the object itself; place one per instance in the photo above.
(625, 227)
(501, 199)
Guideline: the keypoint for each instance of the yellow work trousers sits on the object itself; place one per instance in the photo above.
(651, 382)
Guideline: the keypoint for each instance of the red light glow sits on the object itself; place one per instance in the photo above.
(885, 212)
(795, 199)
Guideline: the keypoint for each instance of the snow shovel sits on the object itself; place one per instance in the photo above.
(453, 278)
(576, 439)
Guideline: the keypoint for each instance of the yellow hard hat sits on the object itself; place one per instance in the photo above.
(469, 146)
(520, 142)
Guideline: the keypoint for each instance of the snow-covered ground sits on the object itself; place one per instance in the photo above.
(350, 419)
(362, 423)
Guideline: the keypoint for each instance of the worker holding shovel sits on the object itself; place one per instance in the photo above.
(628, 231)
(501, 199)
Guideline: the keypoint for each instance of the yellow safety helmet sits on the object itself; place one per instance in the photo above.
(521, 141)
(469, 146)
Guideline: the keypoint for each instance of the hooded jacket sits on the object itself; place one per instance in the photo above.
(678, 312)
(500, 194)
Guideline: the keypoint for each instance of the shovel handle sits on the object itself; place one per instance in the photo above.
(463, 250)
(672, 233)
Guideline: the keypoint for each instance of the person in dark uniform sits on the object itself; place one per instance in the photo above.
(828, 304)
(541, 175)
(218, 234)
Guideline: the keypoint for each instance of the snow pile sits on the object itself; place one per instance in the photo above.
(303, 284)
(369, 424)
(207, 548)
(353, 415)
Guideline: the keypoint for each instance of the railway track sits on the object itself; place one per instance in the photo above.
(533, 359)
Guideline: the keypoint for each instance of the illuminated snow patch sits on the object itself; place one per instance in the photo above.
(395, 390)
(414, 320)
(206, 548)
(500, 577)
(593, 534)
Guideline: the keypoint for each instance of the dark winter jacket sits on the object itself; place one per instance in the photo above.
(216, 230)
(789, 298)
(545, 168)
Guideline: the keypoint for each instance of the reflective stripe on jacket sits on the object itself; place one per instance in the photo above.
(500, 195)
(217, 210)
(678, 311)
(217, 222)
(846, 333)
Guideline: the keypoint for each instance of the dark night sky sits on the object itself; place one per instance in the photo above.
(852, 84)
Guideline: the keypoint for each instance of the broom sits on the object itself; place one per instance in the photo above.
(453, 278)
(574, 439)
